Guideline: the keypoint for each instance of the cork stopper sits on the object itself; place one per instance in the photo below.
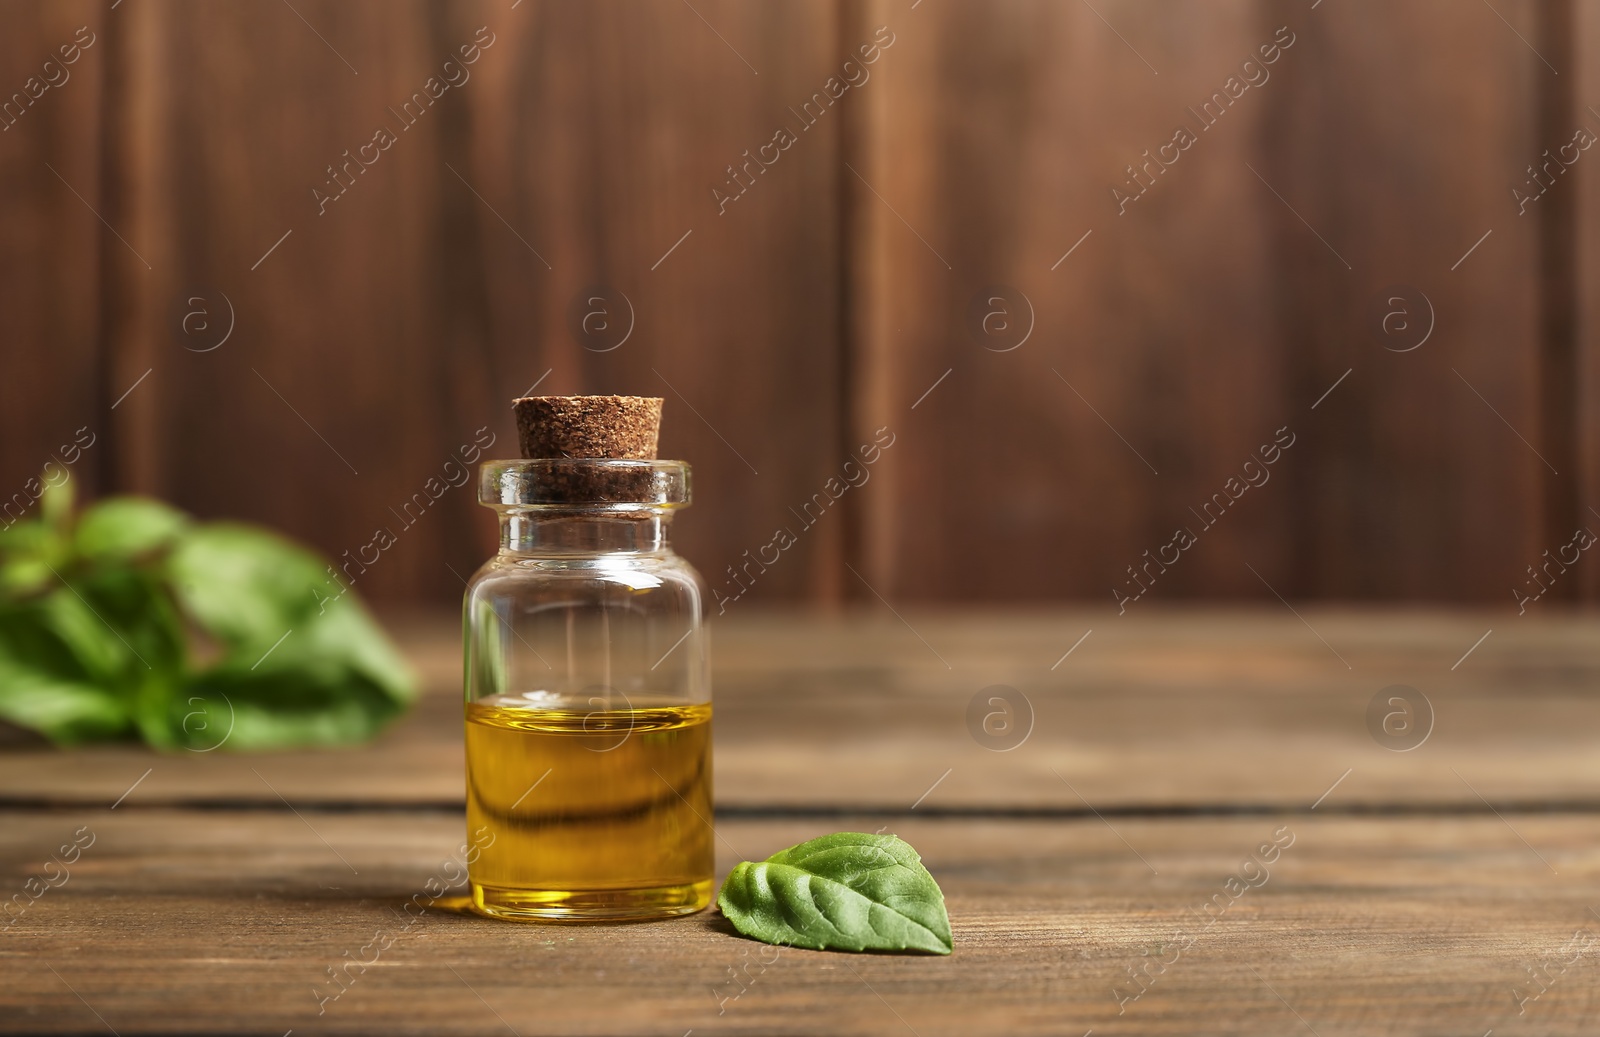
(616, 427)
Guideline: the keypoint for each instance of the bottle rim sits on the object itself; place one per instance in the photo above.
(583, 482)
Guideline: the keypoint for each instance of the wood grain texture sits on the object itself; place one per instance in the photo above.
(1381, 497)
(174, 921)
(1586, 259)
(1099, 432)
(1559, 390)
(369, 345)
(440, 282)
(607, 132)
(54, 253)
(331, 329)
(1166, 711)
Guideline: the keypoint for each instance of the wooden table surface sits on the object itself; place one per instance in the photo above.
(1453, 888)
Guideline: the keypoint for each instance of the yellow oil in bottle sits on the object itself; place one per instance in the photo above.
(589, 813)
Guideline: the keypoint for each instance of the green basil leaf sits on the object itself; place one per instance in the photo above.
(243, 585)
(66, 712)
(60, 636)
(68, 622)
(60, 672)
(344, 632)
(249, 589)
(127, 527)
(28, 549)
(134, 612)
(235, 708)
(847, 891)
(23, 537)
(303, 664)
(20, 577)
(95, 628)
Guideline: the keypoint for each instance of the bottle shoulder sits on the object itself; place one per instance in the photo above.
(638, 577)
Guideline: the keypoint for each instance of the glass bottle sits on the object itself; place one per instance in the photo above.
(588, 698)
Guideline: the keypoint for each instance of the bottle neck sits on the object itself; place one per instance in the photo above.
(551, 531)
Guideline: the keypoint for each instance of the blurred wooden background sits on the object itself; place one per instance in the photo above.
(583, 146)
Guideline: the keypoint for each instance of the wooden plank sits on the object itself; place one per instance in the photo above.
(1175, 710)
(1366, 502)
(609, 135)
(1584, 82)
(217, 921)
(307, 417)
(1560, 385)
(1378, 494)
(400, 318)
(54, 412)
(1045, 469)
(575, 136)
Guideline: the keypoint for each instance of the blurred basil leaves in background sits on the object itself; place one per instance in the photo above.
(132, 620)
